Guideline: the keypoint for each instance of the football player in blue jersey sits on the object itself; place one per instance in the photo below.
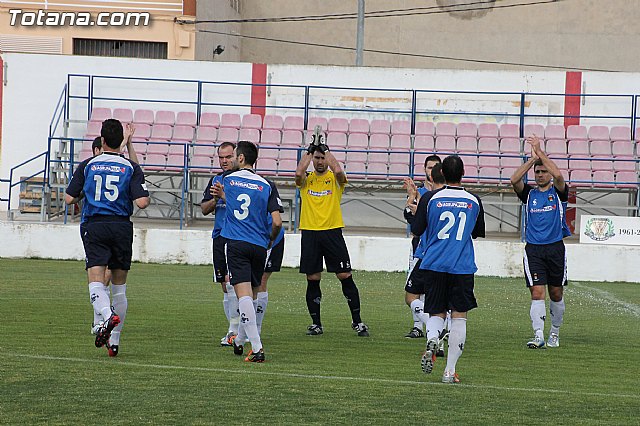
(209, 204)
(545, 261)
(451, 217)
(249, 198)
(110, 184)
(414, 192)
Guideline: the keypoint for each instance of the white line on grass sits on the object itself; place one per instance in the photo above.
(313, 376)
(631, 307)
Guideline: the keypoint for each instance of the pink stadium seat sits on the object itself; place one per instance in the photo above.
(161, 131)
(534, 129)
(100, 114)
(382, 127)
(469, 159)
(268, 151)
(337, 140)
(403, 142)
(165, 117)
(93, 129)
(467, 144)
(251, 121)
(140, 148)
(489, 175)
(292, 138)
(600, 148)
(399, 169)
(624, 164)
(340, 155)
(358, 141)
(377, 157)
(268, 166)
(401, 158)
(581, 178)
(84, 154)
(488, 145)
(231, 121)
(509, 131)
(143, 116)
(554, 131)
(623, 148)
(510, 145)
(506, 173)
(228, 134)
(274, 122)
(183, 133)
(85, 146)
(377, 170)
(489, 161)
(317, 121)
(175, 162)
(577, 148)
(579, 164)
(359, 125)
(620, 133)
(604, 178)
(445, 128)
(271, 137)
(186, 118)
(155, 162)
(125, 115)
(598, 133)
(426, 128)
(510, 161)
(470, 174)
(338, 125)
(488, 130)
(466, 129)
(204, 150)
(207, 134)
(356, 170)
(287, 167)
(143, 131)
(556, 146)
(177, 147)
(201, 164)
(379, 141)
(424, 143)
(293, 123)
(157, 147)
(210, 119)
(402, 127)
(251, 135)
(576, 132)
(356, 157)
(562, 163)
(445, 144)
(288, 154)
(601, 164)
(627, 179)
(216, 162)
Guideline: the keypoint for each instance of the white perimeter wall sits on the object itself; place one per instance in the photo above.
(503, 259)
(34, 83)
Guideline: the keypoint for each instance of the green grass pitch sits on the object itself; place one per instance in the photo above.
(171, 369)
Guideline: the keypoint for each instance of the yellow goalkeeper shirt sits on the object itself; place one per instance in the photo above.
(321, 197)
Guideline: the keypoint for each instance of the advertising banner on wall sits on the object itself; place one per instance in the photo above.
(617, 230)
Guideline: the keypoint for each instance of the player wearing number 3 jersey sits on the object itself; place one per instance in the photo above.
(451, 217)
(110, 185)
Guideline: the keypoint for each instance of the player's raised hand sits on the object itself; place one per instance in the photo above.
(534, 141)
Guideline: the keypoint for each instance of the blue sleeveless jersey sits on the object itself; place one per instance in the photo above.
(450, 217)
(250, 198)
(110, 183)
(221, 206)
(546, 214)
(422, 244)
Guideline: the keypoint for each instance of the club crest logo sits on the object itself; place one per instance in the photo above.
(599, 229)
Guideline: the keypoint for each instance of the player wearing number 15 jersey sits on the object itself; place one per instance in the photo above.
(250, 198)
(110, 185)
(451, 217)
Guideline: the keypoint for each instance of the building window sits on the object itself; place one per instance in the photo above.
(120, 48)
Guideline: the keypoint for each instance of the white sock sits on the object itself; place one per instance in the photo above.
(424, 325)
(556, 310)
(538, 314)
(248, 320)
(225, 305)
(234, 314)
(457, 338)
(99, 296)
(119, 298)
(261, 308)
(447, 321)
(435, 325)
(417, 307)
